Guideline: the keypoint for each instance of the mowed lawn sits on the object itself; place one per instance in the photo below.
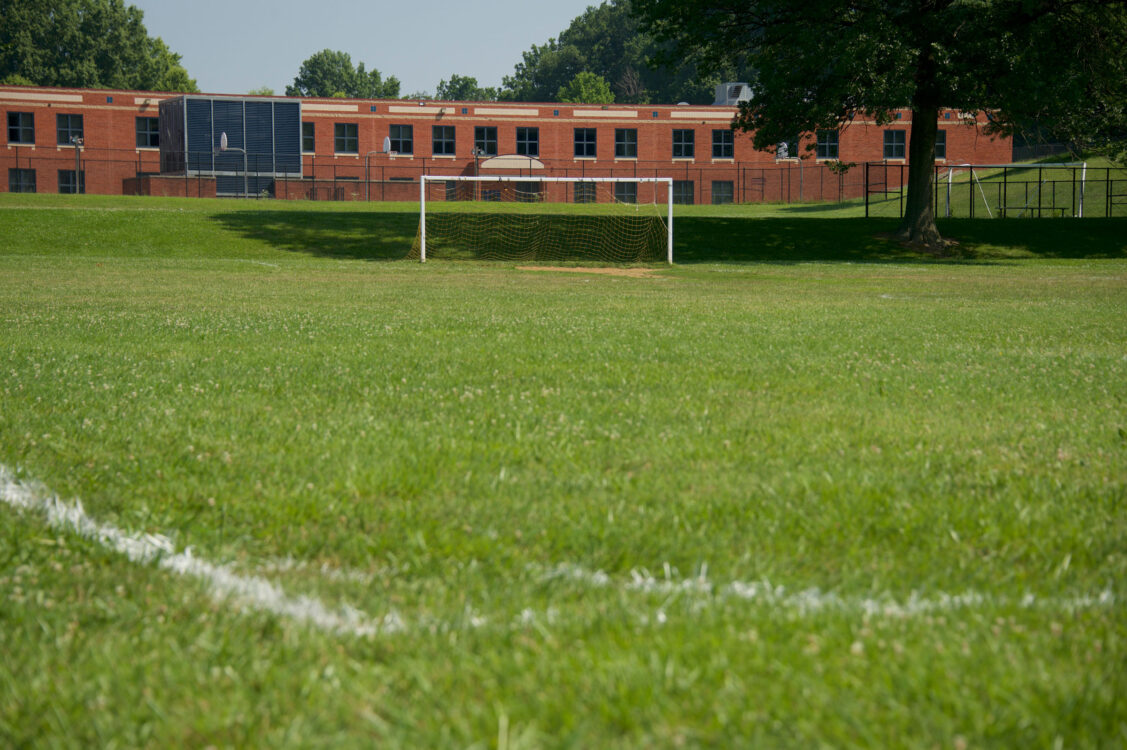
(804, 488)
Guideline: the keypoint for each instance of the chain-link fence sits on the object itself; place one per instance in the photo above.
(1041, 190)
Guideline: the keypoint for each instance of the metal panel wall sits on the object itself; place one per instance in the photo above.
(269, 132)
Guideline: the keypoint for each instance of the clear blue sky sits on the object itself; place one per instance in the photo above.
(232, 46)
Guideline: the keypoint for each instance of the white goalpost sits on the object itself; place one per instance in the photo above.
(606, 219)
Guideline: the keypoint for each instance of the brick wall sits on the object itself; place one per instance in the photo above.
(113, 162)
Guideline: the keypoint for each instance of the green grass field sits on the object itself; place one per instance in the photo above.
(805, 488)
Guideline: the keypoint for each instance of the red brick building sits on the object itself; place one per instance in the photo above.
(118, 138)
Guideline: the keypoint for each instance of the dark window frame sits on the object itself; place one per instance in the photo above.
(24, 131)
(584, 192)
(65, 128)
(586, 143)
(346, 138)
(402, 138)
(67, 176)
(723, 192)
(485, 139)
(148, 132)
(626, 192)
(684, 143)
(443, 140)
(723, 144)
(828, 144)
(308, 139)
(895, 144)
(684, 192)
(18, 181)
(528, 141)
(941, 144)
(626, 143)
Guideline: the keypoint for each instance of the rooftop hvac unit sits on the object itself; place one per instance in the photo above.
(731, 94)
(264, 140)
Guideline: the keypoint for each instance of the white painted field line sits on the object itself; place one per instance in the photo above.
(252, 591)
(813, 600)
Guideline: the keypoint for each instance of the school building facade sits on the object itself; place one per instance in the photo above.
(151, 143)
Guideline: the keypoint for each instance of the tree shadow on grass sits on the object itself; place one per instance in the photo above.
(358, 235)
(860, 240)
(384, 235)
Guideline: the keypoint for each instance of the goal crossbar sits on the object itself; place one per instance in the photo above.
(667, 181)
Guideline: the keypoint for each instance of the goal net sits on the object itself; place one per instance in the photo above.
(545, 219)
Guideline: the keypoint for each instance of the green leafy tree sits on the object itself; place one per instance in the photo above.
(261, 91)
(1060, 63)
(330, 73)
(464, 89)
(87, 44)
(608, 40)
(586, 88)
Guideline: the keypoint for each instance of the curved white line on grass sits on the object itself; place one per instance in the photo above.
(252, 591)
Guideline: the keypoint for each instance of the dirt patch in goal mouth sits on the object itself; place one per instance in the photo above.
(634, 273)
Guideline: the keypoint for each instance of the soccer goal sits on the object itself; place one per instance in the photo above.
(545, 219)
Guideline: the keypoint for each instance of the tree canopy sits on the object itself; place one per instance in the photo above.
(586, 88)
(87, 44)
(330, 73)
(464, 89)
(1061, 63)
(608, 41)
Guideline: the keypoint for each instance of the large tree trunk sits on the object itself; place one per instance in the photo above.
(918, 223)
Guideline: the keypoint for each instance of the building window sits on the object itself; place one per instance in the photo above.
(529, 192)
(21, 127)
(827, 144)
(626, 192)
(625, 143)
(584, 192)
(528, 141)
(894, 143)
(67, 182)
(684, 192)
(148, 132)
(585, 143)
(308, 137)
(941, 144)
(346, 138)
(402, 139)
(442, 140)
(21, 180)
(684, 144)
(787, 149)
(721, 192)
(485, 140)
(723, 144)
(69, 128)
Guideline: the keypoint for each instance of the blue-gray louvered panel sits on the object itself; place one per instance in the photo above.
(260, 134)
(287, 138)
(199, 134)
(229, 120)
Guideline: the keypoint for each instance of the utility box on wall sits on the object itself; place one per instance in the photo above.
(263, 141)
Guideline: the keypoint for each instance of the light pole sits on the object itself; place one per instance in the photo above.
(477, 154)
(367, 178)
(76, 141)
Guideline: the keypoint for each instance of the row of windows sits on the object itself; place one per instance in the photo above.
(68, 128)
(346, 139)
(23, 181)
(684, 192)
(443, 141)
